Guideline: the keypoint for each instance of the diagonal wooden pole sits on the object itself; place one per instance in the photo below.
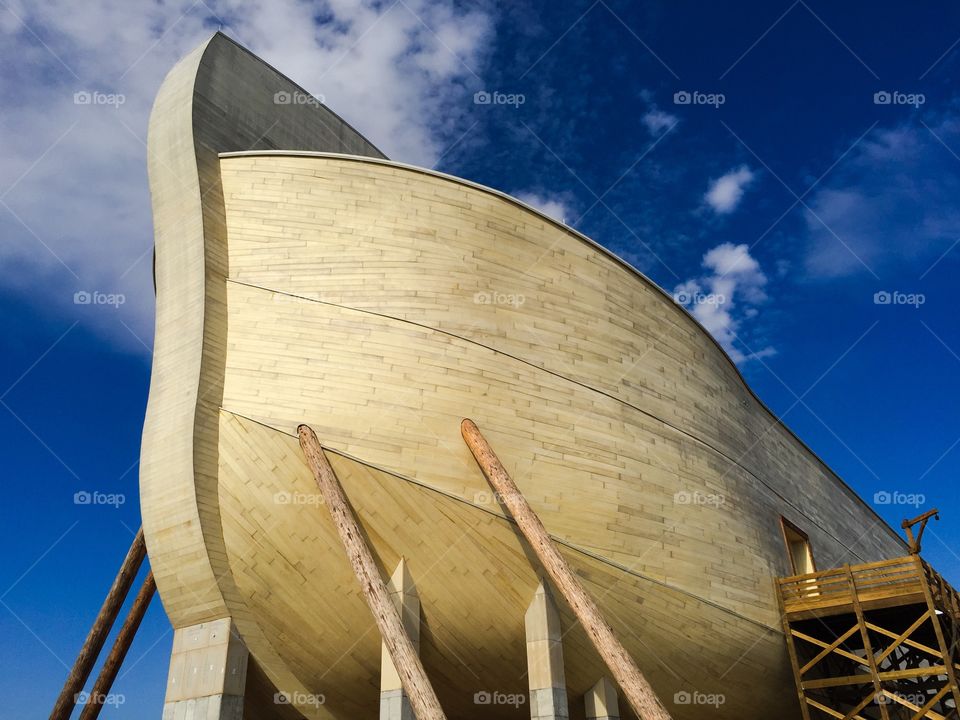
(101, 628)
(624, 670)
(111, 666)
(402, 652)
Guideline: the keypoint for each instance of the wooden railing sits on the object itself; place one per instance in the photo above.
(944, 596)
(879, 584)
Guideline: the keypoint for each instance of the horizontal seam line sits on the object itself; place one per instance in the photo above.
(565, 543)
(828, 471)
(556, 374)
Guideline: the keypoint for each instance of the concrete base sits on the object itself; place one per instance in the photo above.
(214, 707)
(208, 673)
(394, 705)
(549, 704)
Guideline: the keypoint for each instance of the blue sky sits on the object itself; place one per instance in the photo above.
(784, 204)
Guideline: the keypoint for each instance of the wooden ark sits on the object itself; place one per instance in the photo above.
(304, 278)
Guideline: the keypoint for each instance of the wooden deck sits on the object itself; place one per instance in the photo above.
(888, 583)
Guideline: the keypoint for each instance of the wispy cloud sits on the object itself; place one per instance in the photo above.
(728, 293)
(76, 211)
(892, 202)
(726, 192)
(657, 121)
(550, 205)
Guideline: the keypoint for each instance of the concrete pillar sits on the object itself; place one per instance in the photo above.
(208, 673)
(601, 701)
(394, 704)
(548, 687)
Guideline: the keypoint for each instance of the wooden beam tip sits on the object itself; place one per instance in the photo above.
(306, 434)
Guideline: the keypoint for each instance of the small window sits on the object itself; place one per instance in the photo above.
(798, 548)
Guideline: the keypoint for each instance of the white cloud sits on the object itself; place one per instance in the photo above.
(76, 210)
(726, 192)
(552, 206)
(658, 121)
(892, 202)
(727, 294)
(397, 71)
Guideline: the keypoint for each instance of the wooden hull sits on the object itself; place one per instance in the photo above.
(381, 304)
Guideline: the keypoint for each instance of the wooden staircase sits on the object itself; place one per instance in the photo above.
(877, 641)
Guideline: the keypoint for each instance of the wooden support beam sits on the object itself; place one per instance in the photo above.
(926, 709)
(861, 705)
(403, 654)
(820, 643)
(833, 713)
(111, 666)
(865, 678)
(922, 520)
(918, 713)
(867, 645)
(946, 651)
(910, 643)
(832, 647)
(624, 670)
(97, 636)
(900, 639)
(794, 659)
